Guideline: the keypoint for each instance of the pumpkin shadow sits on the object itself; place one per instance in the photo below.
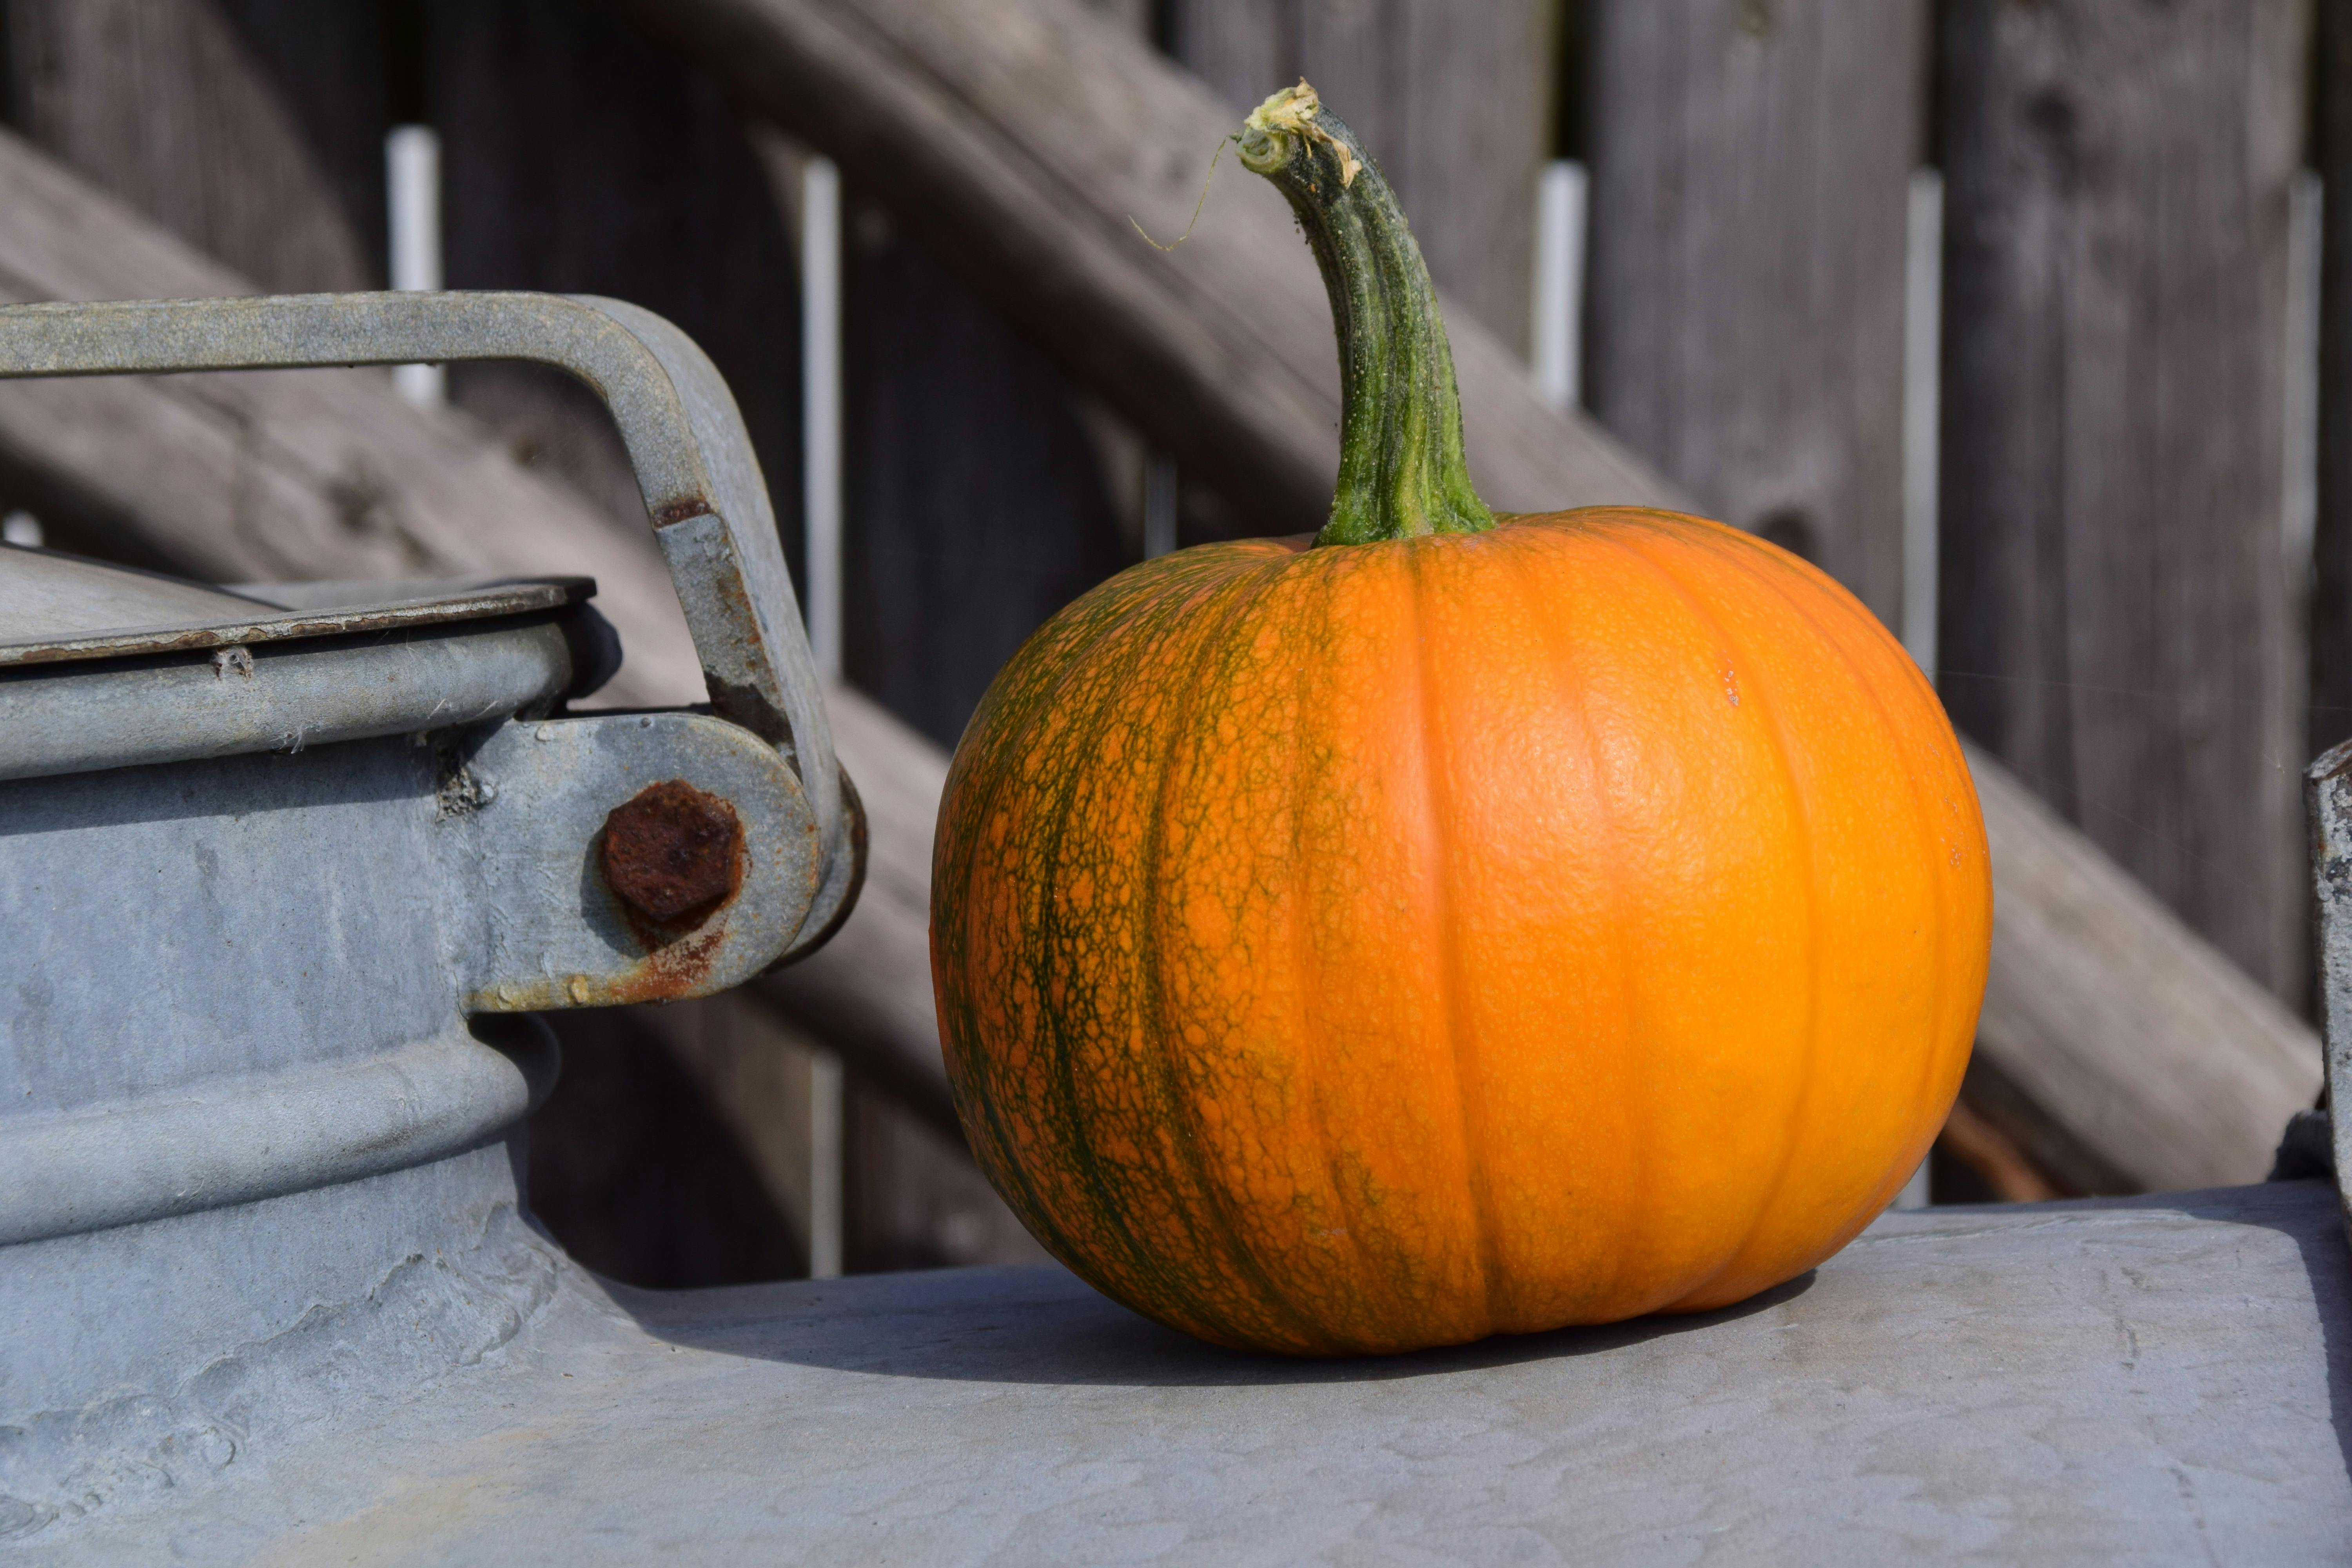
(1042, 1325)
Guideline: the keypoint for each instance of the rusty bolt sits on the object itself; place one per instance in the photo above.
(672, 851)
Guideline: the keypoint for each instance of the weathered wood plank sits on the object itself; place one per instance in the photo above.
(2119, 1050)
(1455, 101)
(976, 507)
(1014, 508)
(632, 1163)
(1750, 165)
(1136, 15)
(252, 129)
(867, 992)
(2115, 619)
(578, 158)
(1015, 140)
(914, 1200)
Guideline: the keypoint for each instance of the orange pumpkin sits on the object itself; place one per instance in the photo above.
(1452, 927)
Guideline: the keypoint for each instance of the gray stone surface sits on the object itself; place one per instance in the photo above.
(2150, 1380)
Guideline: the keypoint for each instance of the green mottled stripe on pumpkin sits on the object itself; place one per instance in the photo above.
(1177, 1254)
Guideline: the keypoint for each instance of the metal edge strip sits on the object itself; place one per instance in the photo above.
(125, 642)
(286, 699)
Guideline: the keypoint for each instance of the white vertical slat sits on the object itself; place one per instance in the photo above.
(820, 433)
(827, 1120)
(1558, 318)
(1923, 326)
(1914, 1194)
(412, 168)
(2299, 496)
(1159, 499)
(821, 406)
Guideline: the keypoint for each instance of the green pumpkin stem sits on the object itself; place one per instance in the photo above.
(1402, 472)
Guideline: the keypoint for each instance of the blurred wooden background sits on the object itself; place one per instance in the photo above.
(2140, 595)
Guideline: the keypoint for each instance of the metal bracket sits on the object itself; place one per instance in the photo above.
(685, 438)
(525, 817)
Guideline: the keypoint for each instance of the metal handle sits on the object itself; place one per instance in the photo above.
(686, 439)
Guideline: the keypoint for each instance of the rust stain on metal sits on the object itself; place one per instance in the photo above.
(680, 510)
(674, 858)
(676, 970)
(672, 854)
(679, 968)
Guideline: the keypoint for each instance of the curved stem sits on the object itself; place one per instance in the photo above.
(1402, 472)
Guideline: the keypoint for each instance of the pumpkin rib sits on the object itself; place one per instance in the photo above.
(1643, 1155)
(1397, 1294)
(999, 1155)
(1924, 817)
(1437, 803)
(1149, 1267)
(1609, 531)
(1016, 735)
(1214, 650)
(1770, 568)
(1054, 812)
(1328, 573)
(1923, 822)
(1758, 680)
(1012, 720)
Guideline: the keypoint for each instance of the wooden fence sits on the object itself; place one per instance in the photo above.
(2122, 620)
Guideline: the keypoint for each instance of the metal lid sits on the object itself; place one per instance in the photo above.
(104, 667)
(56, 607)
